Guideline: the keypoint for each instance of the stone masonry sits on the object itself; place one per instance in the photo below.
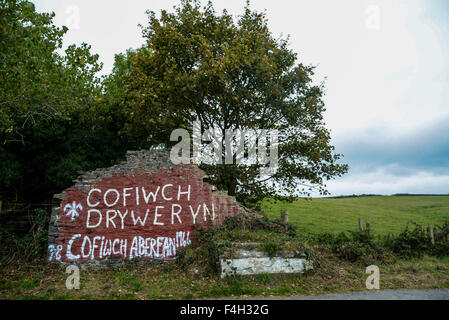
(144, 208)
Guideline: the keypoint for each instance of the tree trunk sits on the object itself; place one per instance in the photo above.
(232, 186)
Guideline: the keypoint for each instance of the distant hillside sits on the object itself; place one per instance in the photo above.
(381, 195)
(387, 214)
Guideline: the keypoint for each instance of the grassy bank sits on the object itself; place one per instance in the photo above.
(167, 282)
(388, 214)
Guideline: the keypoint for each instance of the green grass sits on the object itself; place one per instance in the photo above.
(386, 214)
(159, 282)
(129, 280)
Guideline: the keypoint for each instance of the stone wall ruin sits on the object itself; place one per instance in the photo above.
(144, 208)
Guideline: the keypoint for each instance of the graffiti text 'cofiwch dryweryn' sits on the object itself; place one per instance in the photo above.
(136, 209)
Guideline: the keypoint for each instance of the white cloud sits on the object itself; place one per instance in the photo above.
(381, 181)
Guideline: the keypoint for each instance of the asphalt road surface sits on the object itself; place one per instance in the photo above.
(432, 294)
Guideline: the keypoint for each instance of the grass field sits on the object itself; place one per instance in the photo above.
(386, 214)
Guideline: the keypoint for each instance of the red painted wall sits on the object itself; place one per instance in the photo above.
(144, 215)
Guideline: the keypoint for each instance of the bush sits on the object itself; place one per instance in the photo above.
(358, 246)
(29, 247)
(414, 243)
(271, 247)
(204, 252)
(410, 243)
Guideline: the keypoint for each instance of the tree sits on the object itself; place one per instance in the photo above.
(235, 75)
(37, 83)
(51, 120)
(116, 107)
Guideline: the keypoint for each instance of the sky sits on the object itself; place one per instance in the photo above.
(385, 62)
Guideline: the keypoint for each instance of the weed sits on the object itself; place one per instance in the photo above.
(33, 245)
(27, 284)
(270, 248)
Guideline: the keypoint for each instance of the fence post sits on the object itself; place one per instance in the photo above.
(0, 206)
(432, 238)
(284, 215)
(368, 227)
(360, 224)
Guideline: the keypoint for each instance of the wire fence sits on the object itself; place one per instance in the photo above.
(7, 207)
(20, 217)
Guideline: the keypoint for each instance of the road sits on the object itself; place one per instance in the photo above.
(432, 294)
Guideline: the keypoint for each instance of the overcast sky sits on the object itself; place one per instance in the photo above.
(387, 69)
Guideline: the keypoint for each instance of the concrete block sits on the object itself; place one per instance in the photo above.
(257, 262)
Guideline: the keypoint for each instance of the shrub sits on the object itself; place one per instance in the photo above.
(414, 243)
(29, 247)
(358, 246)
(204, 252)
(270, 247)
(410, 243)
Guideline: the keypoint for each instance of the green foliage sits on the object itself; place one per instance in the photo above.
(409, 244)
(53, 155)
(415, 242)
(37, 84)
(203, 253)
(52, 119)
(355, 246)
(271, 247)
(358, 246)
(116, 109)
(126, 279)
(28, 284)
(233, 74)
(57, 118)
(29, 247)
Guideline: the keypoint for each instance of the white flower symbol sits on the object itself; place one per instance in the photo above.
(73, 209)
